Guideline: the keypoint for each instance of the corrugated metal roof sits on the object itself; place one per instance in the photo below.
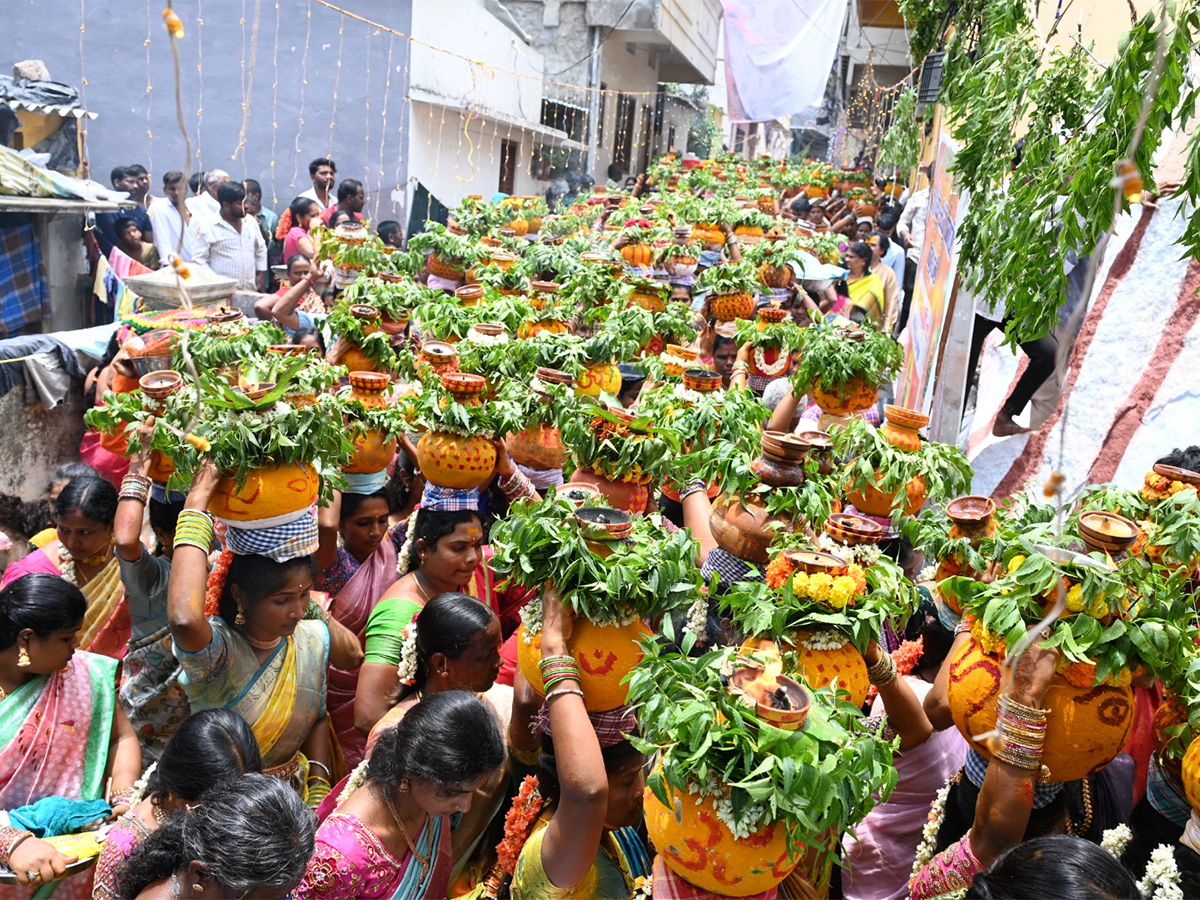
(47, 109)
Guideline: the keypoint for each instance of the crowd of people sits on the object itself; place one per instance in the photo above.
(206, 692)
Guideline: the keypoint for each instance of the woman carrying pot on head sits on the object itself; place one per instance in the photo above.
(151, 694)
(444, 552)
(83, 554)
(260, 648)
(62, 733)
(592, 779)
(390, 836)
(356, 562)
(211, 747)
(248, 836)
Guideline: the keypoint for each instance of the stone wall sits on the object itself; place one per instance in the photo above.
(36, 440)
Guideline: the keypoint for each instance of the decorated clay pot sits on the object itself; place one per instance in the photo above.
(853, 397)
(444, 269)
(537, 448)
(367, 389)
(158, 386)
(1106, 532)
(452, 461)
(972, 517)
(730, 307)
(647, 299)
(764, 687)
(439, 356)
(746, 531)
(631, 496)
(702, 381)
(821, 667)
(698, 847)
(162, 467)
(781, 463)
(372, 453)
(1171, 713)
(902, 426)
(503, 260)
(775, 276)
(606, 654)
(641, 255)
(875, 502)
(547, 326)
(682, 266)
(1086, 727)
(469, 294)
(598, 378)
(852, 530)
(268, 493)
(675, 351)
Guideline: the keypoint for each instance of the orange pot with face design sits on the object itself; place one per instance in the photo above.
(1086, 728)
(698, 847)
(598, 378)
(372, 453)
(605, 653)
(820, 668)
(268, 492)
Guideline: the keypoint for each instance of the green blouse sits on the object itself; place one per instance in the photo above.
(385, 629)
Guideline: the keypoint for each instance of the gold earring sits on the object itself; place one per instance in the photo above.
(241, 616)
(23, 659)
(404, 784)
(198, 888)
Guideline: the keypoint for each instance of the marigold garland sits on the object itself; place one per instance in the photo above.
(518, 826)
(216, 584)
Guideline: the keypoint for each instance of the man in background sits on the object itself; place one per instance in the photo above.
(350, 198)
(170, 216)
(322, 171)
(229, 245)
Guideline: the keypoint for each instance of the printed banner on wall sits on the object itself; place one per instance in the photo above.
(934, 282)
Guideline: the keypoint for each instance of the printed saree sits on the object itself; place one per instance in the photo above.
(352, 606)
(351, 862)
(106, 625)
(54, 737)
(281, 699)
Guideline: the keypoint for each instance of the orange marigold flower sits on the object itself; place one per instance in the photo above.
(778, 571)
(908, 654)
(216, 583)
(518, 823)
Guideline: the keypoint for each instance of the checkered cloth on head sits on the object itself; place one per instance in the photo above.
(281, 543)
(441, 499)
(730, 569)
(669, 886)
(611, 727)
(975, 768)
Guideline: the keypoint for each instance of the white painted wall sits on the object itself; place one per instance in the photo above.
(465, 103)
(630, 73)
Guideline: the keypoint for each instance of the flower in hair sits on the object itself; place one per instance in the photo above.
(407, 670)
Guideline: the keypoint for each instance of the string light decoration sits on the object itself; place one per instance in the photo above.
(367, 117)
(83, 76)
(303, 89)
(336, 82)
(387, 91)
(275, 105)
(200, 78)
(149, 87)
(247, 88)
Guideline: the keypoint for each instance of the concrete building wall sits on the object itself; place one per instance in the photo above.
(290, 122)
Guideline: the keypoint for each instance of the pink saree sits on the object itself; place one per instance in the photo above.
(351, 862)
(352, 606)
(54, 734)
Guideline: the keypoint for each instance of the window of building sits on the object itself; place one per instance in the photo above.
(508, 165)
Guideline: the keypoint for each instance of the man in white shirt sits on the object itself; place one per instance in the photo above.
(322, 171)
(170, 217)
(911, 230)
(205, 204)
(229, 246)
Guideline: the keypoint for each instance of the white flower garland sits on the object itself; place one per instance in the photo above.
(1115, 840)
(1161, 881)
(670, 359)
(937, 812)
(406, 550)
(356, 780)
(866, 555)
(753, 816)
(929, 573)
(139, 786)
(531, 617)
(824, 640)
(233, 329)
(479, 339)
(687, 395)
(66, 564)
(697, 620)
(781, 364)
(407, 669)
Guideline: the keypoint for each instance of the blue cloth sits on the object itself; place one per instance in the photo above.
(709, 258)
(303, 320)
(52, 816)
(1166, 794)
(24, 296)
(366, 483)
(280, 542)
(975, 768)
